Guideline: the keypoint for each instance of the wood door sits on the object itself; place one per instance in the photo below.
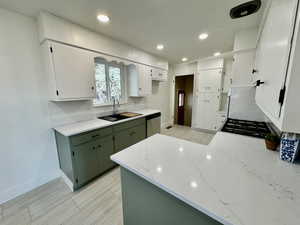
(273, 54)
(74, 72)
(180, 107)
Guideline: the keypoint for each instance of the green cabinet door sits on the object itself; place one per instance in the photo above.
(122, 140)
(137, 134)
(86, 162)
(105, 149)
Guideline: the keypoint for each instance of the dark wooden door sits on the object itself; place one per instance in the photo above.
(180, 109)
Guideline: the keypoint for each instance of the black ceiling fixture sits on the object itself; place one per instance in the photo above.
(245, 9)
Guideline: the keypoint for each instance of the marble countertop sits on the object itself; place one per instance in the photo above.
(234, 179)
(89, 125)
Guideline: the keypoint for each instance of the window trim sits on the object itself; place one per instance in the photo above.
(124, 98)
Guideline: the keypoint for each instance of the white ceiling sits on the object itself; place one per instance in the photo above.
(145, 23)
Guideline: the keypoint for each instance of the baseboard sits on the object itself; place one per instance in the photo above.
(205, 130)
(166, 124)
(68, 182)
(20, 189)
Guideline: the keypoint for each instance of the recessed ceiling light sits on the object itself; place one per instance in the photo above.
(203, 36)
(103, 18)
(160, 47)
(217, 54)
(184, 59)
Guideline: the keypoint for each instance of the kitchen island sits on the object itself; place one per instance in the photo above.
(232, 181)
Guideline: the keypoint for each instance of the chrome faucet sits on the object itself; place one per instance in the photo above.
(115, 101)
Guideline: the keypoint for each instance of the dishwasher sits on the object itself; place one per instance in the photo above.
(153, 124)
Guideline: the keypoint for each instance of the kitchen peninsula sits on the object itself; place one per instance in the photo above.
(232, 181)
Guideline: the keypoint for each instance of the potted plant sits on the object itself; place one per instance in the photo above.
(272, 141)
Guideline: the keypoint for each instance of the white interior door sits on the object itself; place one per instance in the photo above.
(74, 72)
(210, 80)
(272, 54)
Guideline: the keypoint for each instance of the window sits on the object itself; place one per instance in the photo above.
(110, 82)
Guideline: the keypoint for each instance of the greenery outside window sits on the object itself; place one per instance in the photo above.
(110, 82)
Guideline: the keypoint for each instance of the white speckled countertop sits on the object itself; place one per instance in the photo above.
(89, 125)
(234, 180)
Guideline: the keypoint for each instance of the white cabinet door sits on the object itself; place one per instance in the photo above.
(242, 68)
(210, 80)
(74, 70)
(145, 81)
(207, 107)
(140, 80)
(272, 54)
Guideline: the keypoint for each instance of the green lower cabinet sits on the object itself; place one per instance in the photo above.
(83, 157)
(122, 140)
(86, 162)
(138, 134)
(104, 151)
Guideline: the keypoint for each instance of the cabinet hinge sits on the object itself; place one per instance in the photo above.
(57, 93)
(281, 95)
(51, 49)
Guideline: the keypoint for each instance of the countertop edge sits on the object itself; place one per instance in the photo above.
(180, 197)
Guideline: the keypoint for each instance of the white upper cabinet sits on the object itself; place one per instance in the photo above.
(70, 71)
(210, 80)
(277, 65)
(273, 55)
(242, 68)
(139, 80)
(159, 75)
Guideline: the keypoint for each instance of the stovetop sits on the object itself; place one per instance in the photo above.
(245, 127)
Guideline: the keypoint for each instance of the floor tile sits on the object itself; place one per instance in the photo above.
(21, 217)
(58, 215)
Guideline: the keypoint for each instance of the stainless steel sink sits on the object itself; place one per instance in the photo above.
(116, 117)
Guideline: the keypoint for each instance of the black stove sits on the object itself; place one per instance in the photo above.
(245, 127)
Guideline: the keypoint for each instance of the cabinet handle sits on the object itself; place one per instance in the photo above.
(254, 71)
(132, 133)
(259, 82)
(94, 136)
(92, 88)
(94, 147)
(99, 146)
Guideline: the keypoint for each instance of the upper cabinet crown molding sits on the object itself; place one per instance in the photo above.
(54, 28)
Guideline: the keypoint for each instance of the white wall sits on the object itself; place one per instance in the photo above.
(58, 29)
(28, 155)
(185, 69)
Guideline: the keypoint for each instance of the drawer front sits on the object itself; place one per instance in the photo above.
(90, 136)
(129, 124)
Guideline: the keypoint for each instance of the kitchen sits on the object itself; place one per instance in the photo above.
(87, 86)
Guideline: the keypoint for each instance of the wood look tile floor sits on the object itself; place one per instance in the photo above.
(186, 133)
(98, 203)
